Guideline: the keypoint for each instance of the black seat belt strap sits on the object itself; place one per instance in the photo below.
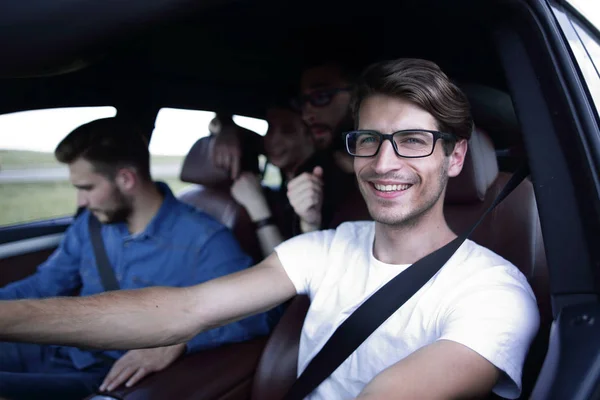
(382, 304)
(107, 274)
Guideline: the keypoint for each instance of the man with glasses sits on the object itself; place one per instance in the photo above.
(463, 334)
(324, 102)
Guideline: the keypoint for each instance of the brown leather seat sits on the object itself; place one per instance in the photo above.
(511, 230)
(211, 195)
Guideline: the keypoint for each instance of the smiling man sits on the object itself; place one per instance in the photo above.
(463, 334)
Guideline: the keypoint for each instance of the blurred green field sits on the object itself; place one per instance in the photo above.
(21, 159)
(24, 202)
(32, 201)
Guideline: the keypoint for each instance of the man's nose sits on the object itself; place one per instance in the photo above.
(308, 113)
(386, 159)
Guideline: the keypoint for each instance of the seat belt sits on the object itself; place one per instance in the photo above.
(382, 304)
(105, 270)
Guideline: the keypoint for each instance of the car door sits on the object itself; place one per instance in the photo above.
(556, 91)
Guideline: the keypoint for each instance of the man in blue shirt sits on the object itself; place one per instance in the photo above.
(151, 239)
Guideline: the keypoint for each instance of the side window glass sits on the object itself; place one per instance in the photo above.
(580, 23)
(175, 132)
(592, 68)
(33, 185)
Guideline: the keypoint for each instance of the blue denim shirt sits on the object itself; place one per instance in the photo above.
(181, 246)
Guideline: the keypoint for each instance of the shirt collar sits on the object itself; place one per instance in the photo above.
(163, 215)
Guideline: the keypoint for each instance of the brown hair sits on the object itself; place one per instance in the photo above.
(108, 144)
(423, 83)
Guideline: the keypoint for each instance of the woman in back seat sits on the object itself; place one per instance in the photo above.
(313, 187)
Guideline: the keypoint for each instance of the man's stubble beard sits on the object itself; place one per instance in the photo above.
(416, 215)
(122, 210)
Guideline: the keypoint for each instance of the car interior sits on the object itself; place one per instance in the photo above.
(529, 106)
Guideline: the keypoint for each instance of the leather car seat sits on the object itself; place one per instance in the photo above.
(211, 194)
(512, 230)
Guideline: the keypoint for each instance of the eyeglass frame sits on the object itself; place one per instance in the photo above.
(383, 137)
(303, 98)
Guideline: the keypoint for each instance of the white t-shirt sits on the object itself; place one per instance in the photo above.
(478, 299)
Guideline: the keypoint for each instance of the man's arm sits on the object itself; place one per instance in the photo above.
(248, 191)
(57, 276)
(219, 256)
(485, 334)
(152, 317)
(442, 370)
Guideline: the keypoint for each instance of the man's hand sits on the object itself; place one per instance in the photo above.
(227, 150)
(136, 364)
(305, 193)
(248, 191)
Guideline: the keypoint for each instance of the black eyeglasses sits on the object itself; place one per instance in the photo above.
(318, 98)
(410, 143)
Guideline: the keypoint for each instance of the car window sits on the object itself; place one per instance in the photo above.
(584, 43)
(33, 185)
(592, 68)
(175, 132)
(590, 9)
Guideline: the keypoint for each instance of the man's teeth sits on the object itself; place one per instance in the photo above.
(391, 188)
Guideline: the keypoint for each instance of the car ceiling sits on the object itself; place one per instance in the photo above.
(233, 55)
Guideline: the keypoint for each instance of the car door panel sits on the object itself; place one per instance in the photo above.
(572, 368)
(24, 247)
(223, 373)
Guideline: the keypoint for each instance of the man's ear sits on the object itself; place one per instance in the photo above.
(457, 158)
(126, 179)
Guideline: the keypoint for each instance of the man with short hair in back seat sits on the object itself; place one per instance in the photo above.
(326, 194)
(150, 238)
(324, 103)
(462, 335)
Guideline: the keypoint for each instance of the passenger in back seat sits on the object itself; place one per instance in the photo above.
(288, 146)
(283, 213)
(324, 103)
(151, 239)
(327, 196)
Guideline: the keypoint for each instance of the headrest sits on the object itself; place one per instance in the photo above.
(479, 171)
(198, 166)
